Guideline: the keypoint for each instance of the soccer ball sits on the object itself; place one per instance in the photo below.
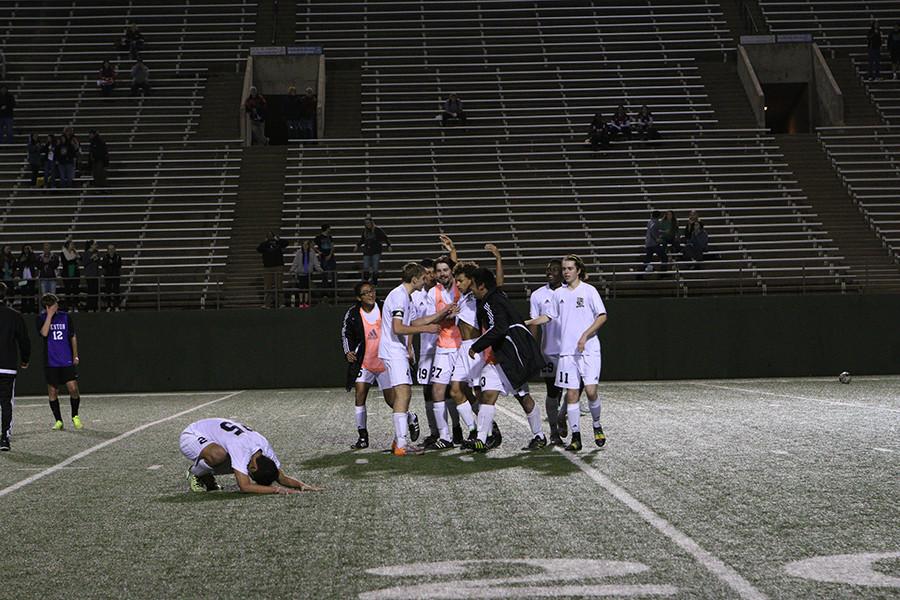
(844, 377)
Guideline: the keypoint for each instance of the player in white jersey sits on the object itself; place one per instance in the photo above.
(580, 313)
(540, 303)
(427, 345)
(396, 353)
(221, 446)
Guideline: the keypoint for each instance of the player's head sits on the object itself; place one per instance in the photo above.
(443, 270)
(48, 300)
(428, 265)
(414, 274)
(262, 469)
(365, 293)
(483, 281)
(655, 215)
(463, 273)
(554, 272)
(573, 269)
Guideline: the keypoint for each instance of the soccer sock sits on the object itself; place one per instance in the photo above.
(400, 429)
(454, 412)
(573, 412)
(440, 416)
(432, 419)
(54, 406)
(201, 468)
(534, 419)
(485, 421)
(465, 412)
(360, 417)
(594, 405)
(74, 402)
(552, 405)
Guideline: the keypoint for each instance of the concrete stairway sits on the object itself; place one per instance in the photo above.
(858, 109)
(220, 115)
(738, 23)
(258, 210)
(726, 94)
(870, 265)
(343, 99)
(274, 23)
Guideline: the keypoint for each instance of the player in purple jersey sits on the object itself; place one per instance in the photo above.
(60, 357)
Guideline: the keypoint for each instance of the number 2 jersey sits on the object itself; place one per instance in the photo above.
(58, 343)
(239, 441)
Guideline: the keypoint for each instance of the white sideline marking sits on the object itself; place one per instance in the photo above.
(154, 467)
(466, 458)
(781, 452)
(132, 395)
(92, 449)
(362, 461)
(714, 565)
(807, 398)
(888, 450)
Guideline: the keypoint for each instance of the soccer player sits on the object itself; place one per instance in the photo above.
(427, 345)
(60, 358)
(496, 316)
(581, 313)
(541, 302)
(15, 352)
(395, 352)
(221, 446)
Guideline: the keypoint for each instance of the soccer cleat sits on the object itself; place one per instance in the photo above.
(563, 424)
(575, 444)
(479, 446)
(58, 426)
(208, 481)
(414, 426)
(537, 442)
(555, 440)
(457, 434)
(495, 433)
(194, 482)
(439, 444)
(468, 442)
(76, 421)
(599, 436)
(410, 450)
(429, 440)
(363, 441)
(4, 444)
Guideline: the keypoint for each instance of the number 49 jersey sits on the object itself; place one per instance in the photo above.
(239, 441)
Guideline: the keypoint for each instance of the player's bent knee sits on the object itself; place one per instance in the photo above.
(214, 454)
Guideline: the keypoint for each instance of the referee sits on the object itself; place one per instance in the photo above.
(15, 351)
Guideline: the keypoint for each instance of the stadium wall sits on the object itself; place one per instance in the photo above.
(721, 337)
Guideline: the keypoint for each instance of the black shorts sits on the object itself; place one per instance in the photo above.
(60, 375)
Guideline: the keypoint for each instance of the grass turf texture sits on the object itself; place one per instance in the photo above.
(759, 473)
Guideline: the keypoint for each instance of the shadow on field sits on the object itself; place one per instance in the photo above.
(27, 458)
(191, 497)
(439, 464)
(100, 435)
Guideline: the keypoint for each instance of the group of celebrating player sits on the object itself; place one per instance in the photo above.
(473, 348)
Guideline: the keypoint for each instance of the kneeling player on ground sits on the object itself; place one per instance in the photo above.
(60, 358)
(221, 446)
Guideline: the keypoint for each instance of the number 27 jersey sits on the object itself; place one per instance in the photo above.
(239, 441)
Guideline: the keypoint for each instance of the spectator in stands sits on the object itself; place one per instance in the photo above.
(668, 228)
(132, 40)
(8, 271)
(324, 246)
(292, 114)
(598, 132)
(653, 243)
(309, 104)
(693, 221)
(27, 270)
(372, 243)
(255, 107)
(305, 263)
(696, 246)
(34, 157)
(90, 268)
(71, 274)
(111, 263)
(48, 263)
(894, 49)
(453, 110)
(873, 44)
(106, 78)
(140, 78)
(2, 65)
(620, 124)
(7, 110)
(272, 251)
(48, 154)
(98, 158)
(643, 125)
(66, 157)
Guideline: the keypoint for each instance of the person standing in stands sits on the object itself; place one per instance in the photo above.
(324, 245)
(140, 78)
(132, 40)
(112, 275)
(309, 104)
(7, 108)
(653, 243)
(90, 267)
(15, 352)
(98, 156)
(66, 156)
(893, 43)
(71, 274)
(34, 157)
(873, 44)
(255, 107)
(48, 154)
(453, 110)
(27, 272)
(48, 263)
(305, 263)
(8, 273)
(272, 251)
(292, 114)
(598, 132)
(372, 242)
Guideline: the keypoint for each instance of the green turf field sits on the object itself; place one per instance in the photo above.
(711, 489)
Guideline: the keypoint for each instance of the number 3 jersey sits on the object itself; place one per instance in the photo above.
(239, 441)
(58, 344)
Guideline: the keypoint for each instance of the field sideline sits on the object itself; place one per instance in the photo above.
(783, 488)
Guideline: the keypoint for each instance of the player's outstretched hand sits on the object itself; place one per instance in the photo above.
(433, 328)
(581, 343)
(495, 252)
(52, 310)
(285, 491)
(311, 488)
(446, 242)
(76, 361)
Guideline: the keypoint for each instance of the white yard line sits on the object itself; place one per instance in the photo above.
(100, 446)
(714, 565)
(792, 397)
(133, 395)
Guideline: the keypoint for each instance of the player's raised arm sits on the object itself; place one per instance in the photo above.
(448, 245)
(539, 320)
(401, 329)
(498, 262)
(45, 328)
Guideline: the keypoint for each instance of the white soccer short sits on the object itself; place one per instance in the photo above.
(398, 372)
(462, 364)
(574, 369)
(190, 444)
(442, 366)
(551, 363)
(367, 376)
(494, 379)
(423, 371)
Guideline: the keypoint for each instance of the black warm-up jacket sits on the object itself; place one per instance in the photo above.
(353, 337)
(15, 347)
(516, 350)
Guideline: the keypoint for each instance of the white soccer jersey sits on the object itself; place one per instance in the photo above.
(423, 307)
(397, 305)
(576, 310)
(467, 306)
(239, 441)
(542, 304)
